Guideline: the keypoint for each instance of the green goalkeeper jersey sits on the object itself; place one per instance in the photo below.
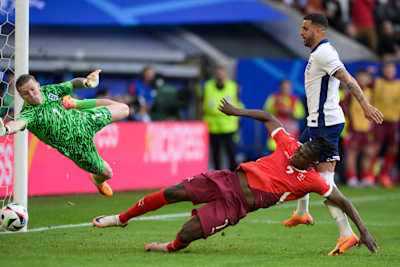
(69, 131)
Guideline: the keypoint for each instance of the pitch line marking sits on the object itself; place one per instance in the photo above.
(187, 214)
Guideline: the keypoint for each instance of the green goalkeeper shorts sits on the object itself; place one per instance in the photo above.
(83, 150)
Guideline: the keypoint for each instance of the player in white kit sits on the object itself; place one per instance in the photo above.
(323, 75)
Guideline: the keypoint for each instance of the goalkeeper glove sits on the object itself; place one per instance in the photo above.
(4, 129)
(92, 80)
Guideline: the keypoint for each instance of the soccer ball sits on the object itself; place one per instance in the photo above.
(13, 217)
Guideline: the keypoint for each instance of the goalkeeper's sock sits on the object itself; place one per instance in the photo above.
(85, 103)
(177, 244)
(148, 203)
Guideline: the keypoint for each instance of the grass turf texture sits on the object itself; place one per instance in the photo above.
(258, 240)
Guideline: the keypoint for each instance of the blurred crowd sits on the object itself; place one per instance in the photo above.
(369, 151)
(375, 23)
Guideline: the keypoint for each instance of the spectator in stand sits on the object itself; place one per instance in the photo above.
(351, 30)
(288, 108)
(314, 6)
(221, 127)
(363, 18)
(386, 97)
(333, 12)
(389, 44)
(380, 14)
(359, 137)
(145, 92)
(387, 10)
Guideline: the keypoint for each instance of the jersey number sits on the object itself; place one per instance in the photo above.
(289, 169)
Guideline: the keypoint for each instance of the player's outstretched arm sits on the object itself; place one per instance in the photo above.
(270, 121)
(370, 112)
(91, 81)
(344, 204)
(12, 127)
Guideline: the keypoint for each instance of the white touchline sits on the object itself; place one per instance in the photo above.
(187, 214)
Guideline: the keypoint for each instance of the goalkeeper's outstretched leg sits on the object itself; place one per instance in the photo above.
(118, 110)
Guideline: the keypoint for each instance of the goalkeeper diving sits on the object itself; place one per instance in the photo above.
(70, 131)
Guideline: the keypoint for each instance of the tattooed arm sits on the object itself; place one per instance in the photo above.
(370, 112)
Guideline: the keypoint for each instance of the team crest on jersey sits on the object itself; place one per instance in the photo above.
(53, 97)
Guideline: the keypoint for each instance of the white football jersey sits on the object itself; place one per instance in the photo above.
(322, 89)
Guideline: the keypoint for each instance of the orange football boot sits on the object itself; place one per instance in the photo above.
(296, 220)
(104, 188)
(343, 244)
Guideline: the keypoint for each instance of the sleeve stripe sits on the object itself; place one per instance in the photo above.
(335, 69)
(329, 191)
(276, 130)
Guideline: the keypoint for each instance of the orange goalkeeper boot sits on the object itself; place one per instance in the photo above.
(104, 188)
(296, 220)
(343, 244)
(68, 102)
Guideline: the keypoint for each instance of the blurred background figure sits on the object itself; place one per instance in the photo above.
(221, 127)
(103, 93)
(168, 101)
(288, 108)
(363, 18)
(389, 43)
(350, 30)
(386, 97)
(7, 97)
(145, 92)
(333, 12)
(359, 138)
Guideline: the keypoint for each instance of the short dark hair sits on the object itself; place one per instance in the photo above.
(386, 63)
(362, 70)
(23, 79)
(321, 147)
(317, 19)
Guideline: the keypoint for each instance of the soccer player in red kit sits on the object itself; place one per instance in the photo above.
(286, 174)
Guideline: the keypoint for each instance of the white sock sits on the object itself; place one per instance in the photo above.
(302, 205)
(329, 177)
(337, 214)
(341, 219)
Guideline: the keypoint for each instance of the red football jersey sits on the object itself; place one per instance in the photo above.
(274, 175)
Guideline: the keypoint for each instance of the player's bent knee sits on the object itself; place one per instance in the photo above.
(175, 193)
(191, 230)
(118, 111)
(124, 110)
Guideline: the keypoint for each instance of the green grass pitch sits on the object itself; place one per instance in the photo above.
(258, 240)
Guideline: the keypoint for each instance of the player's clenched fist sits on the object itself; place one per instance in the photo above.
(92, 80)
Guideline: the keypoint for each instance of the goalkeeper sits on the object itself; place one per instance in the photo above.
(71, 131)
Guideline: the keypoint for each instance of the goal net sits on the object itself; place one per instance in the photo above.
(7, 91)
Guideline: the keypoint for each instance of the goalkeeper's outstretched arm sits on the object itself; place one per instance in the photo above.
(91, 81)
(12, 127)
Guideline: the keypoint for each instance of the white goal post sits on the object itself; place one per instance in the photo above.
(21, 67)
